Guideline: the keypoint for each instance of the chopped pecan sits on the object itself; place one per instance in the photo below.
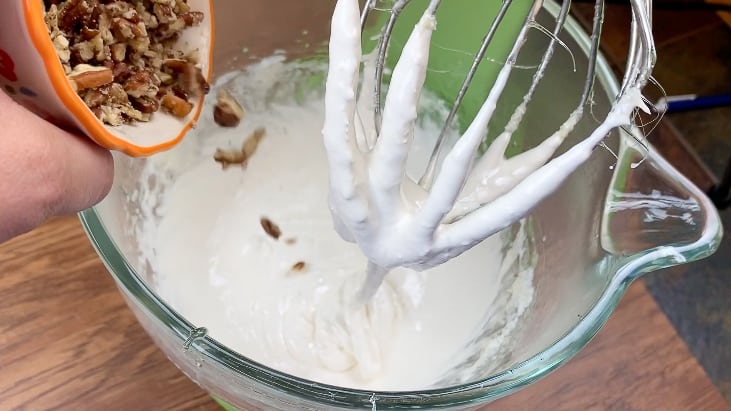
(181, 7)
(111, 114)
(190, 77)
(119, 52)
(146, 16)
(91, 49)
(140, 45)
(229, 157)
(88, 34)
(178, 91)
(117, 94)
(121, 72)
(63, 50)
(175, 65)
(299, 266)
(176, 105)
(132, 113)
(77, 14)
(227, 112)
(84, 77)
(110, 93)
(164, 13)
(95, 98)
(124, 29)
(119, 8)
(146, 104)
(141, 84)
(252, 142)
(270, 228)
(169, 30)
(192, 18)
(194, 82)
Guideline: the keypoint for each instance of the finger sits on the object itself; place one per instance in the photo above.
(45, 171)
(87, 172)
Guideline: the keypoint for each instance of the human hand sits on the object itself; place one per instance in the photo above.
(45, 171)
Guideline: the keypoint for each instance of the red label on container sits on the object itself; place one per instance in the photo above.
(7, 66)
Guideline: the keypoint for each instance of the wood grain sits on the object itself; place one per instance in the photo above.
(68, 342)
(637, 362)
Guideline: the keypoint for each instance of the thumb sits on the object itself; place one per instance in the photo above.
(45, 171)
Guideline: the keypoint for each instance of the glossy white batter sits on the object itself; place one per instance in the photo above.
(214, 263)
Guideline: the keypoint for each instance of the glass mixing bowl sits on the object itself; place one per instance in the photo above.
(611, 221)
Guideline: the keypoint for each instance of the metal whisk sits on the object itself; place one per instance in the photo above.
(400, 222)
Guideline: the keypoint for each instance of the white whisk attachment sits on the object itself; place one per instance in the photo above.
(460, 200)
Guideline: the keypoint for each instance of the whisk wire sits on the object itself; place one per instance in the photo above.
(383, 44)
(541, 69)
(596, 32)
(381, 59)
(642, 54)
(428, 177)
(367, 9)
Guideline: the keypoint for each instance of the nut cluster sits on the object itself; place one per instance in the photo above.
(120, 56)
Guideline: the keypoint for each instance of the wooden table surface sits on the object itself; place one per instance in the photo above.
(67, 341)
